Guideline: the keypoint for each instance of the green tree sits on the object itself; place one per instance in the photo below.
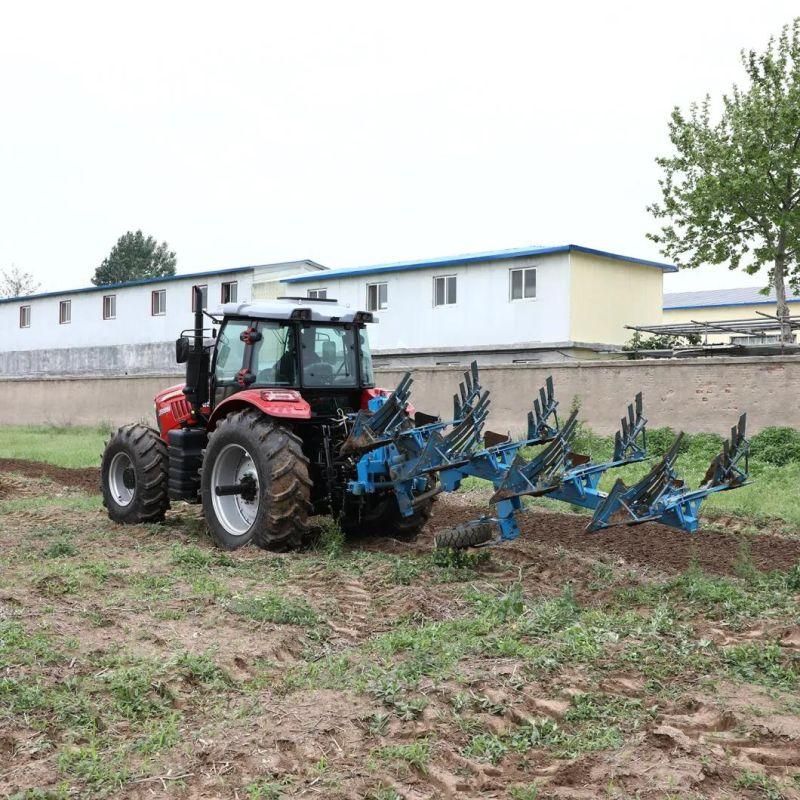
(16, 283)
(731, 188)
(134, 257)
(638, 342)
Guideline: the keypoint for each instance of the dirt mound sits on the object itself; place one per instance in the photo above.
(86, 478)
(652, 544)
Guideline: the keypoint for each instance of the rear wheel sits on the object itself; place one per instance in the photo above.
(254, 483)
(134, 475)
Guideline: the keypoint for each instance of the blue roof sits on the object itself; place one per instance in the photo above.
(475, 258)
(126, 284)
(714, 298)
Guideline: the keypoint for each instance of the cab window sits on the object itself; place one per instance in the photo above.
(367, 375)
(274, 360)
(328, 356)
(230, 351)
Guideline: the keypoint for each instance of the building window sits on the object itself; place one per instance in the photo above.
(444, 290)
(230, 292)
(65, 312)
(317, 294)
(24, 316)
(522, 283)
(109, 306)
(204, 291)
(377, 296)
(158, 302)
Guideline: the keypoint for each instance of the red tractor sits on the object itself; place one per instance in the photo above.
(255, 434)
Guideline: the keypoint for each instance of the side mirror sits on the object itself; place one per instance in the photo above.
(182, 349)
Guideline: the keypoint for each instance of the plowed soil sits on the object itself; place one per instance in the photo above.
(87, 479)
(651, 544)
(139, 662)
(657, 545)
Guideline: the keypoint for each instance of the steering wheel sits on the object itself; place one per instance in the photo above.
(319, 373)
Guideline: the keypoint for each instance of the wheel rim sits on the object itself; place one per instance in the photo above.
(235, 513)
(122, 479)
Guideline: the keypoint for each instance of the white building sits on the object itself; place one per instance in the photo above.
(542, 303)
(120, 328)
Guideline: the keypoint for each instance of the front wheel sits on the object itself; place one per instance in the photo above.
(254, 483)
(134, 475)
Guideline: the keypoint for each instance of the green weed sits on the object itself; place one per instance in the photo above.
(764, 663)
(272, 607)
(417, 754)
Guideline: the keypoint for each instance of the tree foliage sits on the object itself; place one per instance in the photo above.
(638, 342)
(135, 256)
(731, 188)
(16, 283)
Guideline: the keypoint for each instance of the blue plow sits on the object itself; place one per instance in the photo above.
(416, 460)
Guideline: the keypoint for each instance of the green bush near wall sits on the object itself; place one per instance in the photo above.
(776, 446)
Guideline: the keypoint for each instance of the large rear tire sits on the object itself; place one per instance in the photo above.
(252, 450)
(134, 475)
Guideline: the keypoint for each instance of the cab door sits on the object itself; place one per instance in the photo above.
(230, 356)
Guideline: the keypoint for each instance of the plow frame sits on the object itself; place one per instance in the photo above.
(397, 457)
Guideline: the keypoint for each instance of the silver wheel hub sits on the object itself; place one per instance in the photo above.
(122, 479)
(235, 512)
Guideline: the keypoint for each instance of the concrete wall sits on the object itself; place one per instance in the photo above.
(690, 394)
(155, 358)
(607, 294)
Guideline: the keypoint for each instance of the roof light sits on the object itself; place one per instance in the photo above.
(363, 316)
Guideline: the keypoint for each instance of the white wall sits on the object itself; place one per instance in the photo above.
(483, 314)
(134, 324)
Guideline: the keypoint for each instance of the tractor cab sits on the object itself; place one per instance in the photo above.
(317, 349)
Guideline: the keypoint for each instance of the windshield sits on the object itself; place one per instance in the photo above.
(328, 355)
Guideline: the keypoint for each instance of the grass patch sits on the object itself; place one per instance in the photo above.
(62, 446)
(416, 755)
(272, 607)
(765, 785)
(544, 733)
(764, 663)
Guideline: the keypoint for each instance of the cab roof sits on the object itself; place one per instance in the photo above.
(286, 308)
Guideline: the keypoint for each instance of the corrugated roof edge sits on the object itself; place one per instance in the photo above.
(476, 258)
(140, 282)
(729, 305)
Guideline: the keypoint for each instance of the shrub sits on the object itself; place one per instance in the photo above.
(704, 446)
(777, 446)
(659, 440)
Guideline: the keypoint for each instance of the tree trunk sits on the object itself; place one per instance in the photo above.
(778, 281)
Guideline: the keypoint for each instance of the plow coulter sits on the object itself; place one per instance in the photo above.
(417, 460)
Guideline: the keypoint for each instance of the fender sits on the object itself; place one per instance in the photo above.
(280, 403)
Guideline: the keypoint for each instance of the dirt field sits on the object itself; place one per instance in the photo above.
(638, 663)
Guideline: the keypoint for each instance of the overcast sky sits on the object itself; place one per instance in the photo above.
(350, 133)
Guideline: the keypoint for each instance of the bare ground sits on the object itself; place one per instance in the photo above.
(140, 662)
